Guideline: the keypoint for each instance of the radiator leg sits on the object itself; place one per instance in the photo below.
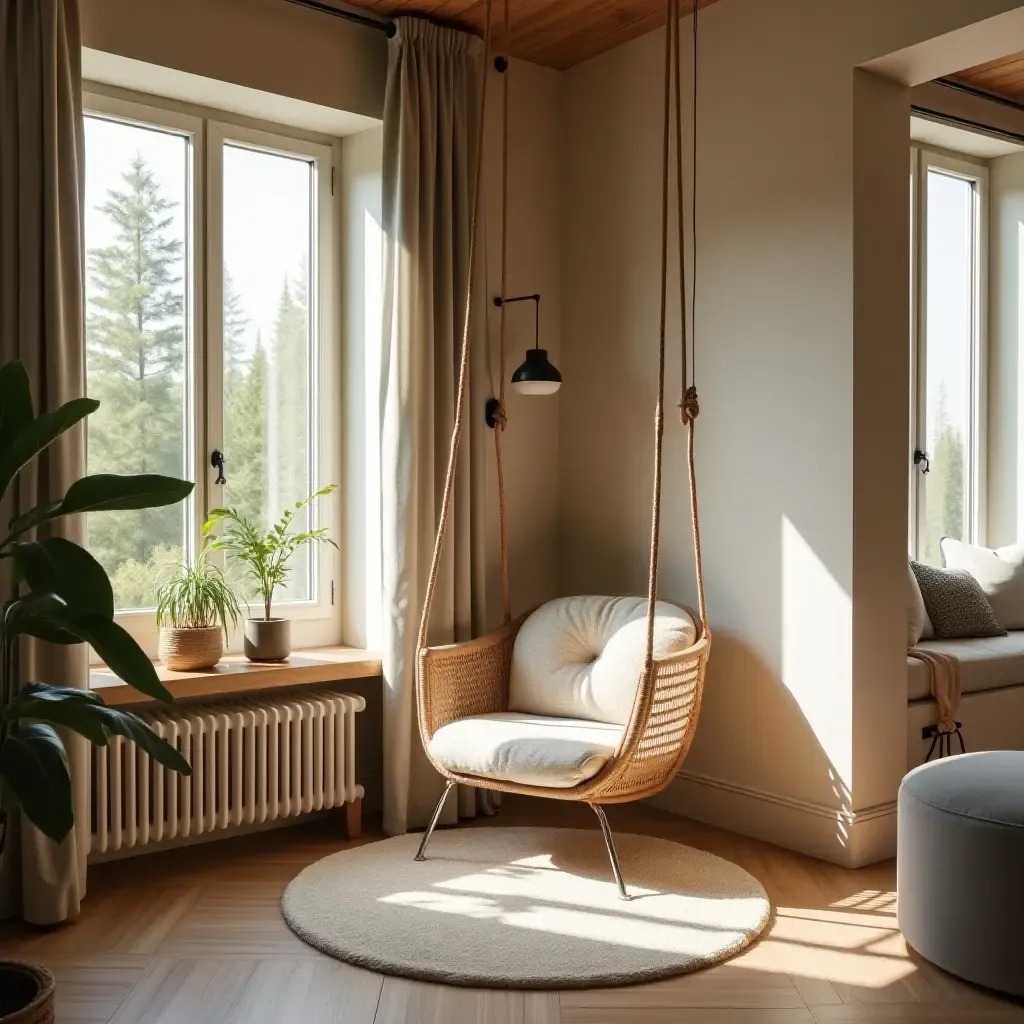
(433, 823)
(354, 818)
(609, 842)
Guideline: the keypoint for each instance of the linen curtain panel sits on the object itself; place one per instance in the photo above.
(430, 134)
(41, 323)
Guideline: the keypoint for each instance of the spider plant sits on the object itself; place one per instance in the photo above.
(265, 554)
(197, 596)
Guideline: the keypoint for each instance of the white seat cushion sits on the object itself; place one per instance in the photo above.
(986, 663)
(532, 750)
(581, 657)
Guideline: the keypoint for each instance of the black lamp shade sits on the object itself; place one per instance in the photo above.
(536, 376)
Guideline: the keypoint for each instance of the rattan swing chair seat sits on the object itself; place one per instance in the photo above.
(469, 679)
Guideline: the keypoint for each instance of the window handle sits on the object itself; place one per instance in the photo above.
(217, 460)
(919, 457)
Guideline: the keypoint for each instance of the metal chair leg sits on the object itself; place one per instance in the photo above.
(609, 843)
(433, 823)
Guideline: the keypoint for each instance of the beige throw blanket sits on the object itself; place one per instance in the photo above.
(946, 683)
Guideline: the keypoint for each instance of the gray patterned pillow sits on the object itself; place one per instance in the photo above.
(956, 604)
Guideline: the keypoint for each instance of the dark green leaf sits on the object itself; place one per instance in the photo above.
(39, 434)
(129, 725)
(46, 629)
(44, 691)
(34, 516)
(15, 402)
(61, 567)
(116, 647)
(34, 606)
(44, 613)
(108, 492)
(87, 715)
(34, 764)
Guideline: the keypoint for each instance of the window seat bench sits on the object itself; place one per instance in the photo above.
(992, 709)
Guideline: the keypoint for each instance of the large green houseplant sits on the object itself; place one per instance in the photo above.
(63, 596)
(266, 554)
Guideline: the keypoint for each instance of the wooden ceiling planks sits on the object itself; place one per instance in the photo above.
(1003, 77)
(555, 33)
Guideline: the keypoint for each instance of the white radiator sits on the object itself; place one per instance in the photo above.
(253, 761)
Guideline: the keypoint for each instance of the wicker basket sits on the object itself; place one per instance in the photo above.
(26, 994)
(186, 650)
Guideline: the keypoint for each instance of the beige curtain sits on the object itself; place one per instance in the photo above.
(430, 132)
(41, 323)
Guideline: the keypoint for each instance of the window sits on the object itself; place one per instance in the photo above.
(208, 329)
(948, 270)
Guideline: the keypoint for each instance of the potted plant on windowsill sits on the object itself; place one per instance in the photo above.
(193, 609)
(265, 556)
(62, 595)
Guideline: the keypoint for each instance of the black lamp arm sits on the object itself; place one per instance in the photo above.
(501, 300)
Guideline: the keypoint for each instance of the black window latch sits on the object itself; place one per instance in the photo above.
(217, 460)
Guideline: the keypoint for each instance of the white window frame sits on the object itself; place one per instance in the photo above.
(317, 621)
(922, 161)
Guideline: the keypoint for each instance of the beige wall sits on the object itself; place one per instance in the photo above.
(801, 448)
(530, 444)
(1006, 351)
(262, 44)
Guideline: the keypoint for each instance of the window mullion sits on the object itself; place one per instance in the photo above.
(214, 355)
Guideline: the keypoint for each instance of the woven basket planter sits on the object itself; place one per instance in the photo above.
(26, 994)
(187, 650)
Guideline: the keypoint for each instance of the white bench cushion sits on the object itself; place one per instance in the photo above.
(581, 657)
(986, 663)
(532, 750)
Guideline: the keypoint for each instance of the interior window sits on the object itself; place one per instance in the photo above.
(269, 426)
(137, 340)
(946, 456)
(207, 241)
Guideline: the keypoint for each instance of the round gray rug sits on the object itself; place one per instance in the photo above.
(526, 908)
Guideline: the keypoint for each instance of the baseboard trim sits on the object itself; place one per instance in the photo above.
(839, 835)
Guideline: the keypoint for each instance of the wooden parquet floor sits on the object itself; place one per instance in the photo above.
(196, 935)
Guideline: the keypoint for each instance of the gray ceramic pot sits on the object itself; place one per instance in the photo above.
(267, 639)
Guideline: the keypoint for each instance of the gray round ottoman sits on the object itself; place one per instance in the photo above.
(960, 866)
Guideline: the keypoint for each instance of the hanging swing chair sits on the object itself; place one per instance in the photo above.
(589, 699)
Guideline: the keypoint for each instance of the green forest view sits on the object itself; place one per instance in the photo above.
(138, 368)
(944, 483)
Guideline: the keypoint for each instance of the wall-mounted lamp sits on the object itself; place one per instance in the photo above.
(536, 376)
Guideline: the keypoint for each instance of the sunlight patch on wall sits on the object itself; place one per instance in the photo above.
(817, 656)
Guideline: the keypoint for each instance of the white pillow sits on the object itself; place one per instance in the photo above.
(581, 657)
(999, 572)
(919, 626)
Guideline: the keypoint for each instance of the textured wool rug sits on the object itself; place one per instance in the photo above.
(526, 908)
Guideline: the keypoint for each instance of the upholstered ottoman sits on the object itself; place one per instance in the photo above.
(960, 866)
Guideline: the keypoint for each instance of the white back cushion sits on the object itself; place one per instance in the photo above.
(1000, 573)
(581, 657)
(919, 626)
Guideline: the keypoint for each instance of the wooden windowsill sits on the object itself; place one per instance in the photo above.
(236, 674)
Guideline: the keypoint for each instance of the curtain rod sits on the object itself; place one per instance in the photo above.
(962, 122)
(385, 26)
(981, 94)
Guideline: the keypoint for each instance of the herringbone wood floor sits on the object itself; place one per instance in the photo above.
(196, 935)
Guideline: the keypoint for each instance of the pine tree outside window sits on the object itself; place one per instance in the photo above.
(209, 326)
